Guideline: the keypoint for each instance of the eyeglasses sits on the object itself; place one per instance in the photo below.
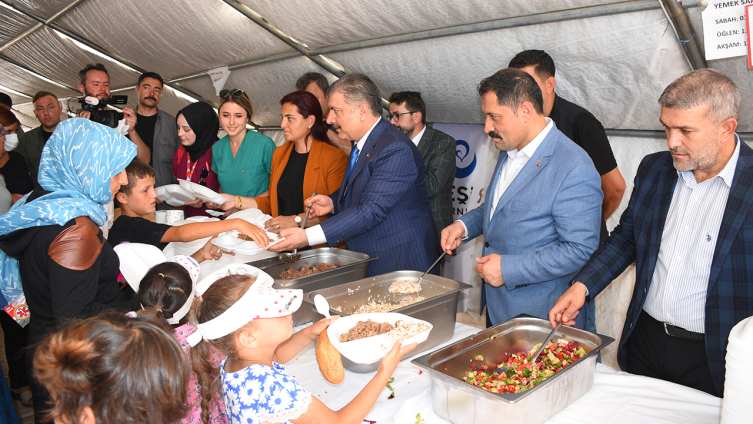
(236, 92)
(396, 116)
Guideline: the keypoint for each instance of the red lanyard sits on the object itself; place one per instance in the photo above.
(189, 167)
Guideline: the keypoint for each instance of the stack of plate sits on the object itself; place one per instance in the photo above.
(174, 195)
(738, 391)
(201, 192)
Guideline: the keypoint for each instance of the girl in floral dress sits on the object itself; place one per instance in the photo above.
(246, 319)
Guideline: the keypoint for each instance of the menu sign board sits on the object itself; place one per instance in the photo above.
(725, 31)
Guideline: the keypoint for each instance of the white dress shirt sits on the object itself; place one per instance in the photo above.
(315, 234)
(677, 293)
(515, 162)
(418, 136)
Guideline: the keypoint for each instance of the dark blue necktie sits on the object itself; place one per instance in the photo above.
(351, 163)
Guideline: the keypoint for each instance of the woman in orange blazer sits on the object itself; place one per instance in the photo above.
(300, 167)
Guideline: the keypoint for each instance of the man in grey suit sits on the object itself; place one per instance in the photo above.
(408, 114)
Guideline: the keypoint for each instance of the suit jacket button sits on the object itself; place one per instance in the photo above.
(486, 244)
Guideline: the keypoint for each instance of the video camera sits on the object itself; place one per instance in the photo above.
(104, 117)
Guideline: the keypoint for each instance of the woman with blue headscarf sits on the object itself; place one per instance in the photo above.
(51, 249)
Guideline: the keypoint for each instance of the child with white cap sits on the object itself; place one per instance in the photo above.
(238, 312)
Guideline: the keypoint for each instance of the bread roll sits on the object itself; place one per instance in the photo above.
(328, 358)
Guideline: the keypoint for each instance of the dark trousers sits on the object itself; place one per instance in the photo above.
(15, 351)
(654, 353)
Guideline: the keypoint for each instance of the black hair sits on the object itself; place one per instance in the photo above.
(91, 67)
(413, 102)
(542, 63)
(306, 79)
(166, 288)
(152, 75)
(513, 87)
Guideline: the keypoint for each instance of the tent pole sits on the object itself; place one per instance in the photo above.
(685, 34)
(301, 48)
(39, 23)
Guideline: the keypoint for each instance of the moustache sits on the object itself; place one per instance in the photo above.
(679, 151)
(494, 134)
(150, 98)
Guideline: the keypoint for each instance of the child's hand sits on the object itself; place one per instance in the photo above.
(210, 251)
(321, 325)
(393, 357)
(257, 234)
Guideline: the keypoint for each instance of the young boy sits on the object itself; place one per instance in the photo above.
(138, 199)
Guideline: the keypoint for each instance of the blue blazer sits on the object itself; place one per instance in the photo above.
(383, 208)
(545, 227)
(729, 297)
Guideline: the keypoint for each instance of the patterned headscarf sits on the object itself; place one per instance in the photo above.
(77, 164)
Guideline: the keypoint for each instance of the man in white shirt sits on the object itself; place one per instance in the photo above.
(542, 213)
(687, 227)
(381, 208)
(408, 114)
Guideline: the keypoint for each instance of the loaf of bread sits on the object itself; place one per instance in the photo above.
(328, 358)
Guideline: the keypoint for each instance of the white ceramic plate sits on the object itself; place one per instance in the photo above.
(203, 193)
(230, 242)
(174, 195)
(371, 349)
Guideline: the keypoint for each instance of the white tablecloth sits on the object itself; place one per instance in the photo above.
(616, 397)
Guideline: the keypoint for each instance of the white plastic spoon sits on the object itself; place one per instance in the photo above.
(322, 306)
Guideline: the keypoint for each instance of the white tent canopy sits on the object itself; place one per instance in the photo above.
(615, 64)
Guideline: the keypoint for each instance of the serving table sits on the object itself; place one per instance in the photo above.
(616, 397)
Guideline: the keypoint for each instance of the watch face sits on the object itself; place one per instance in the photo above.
(297, 219)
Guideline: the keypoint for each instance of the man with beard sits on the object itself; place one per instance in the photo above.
(154, 128)
(542, 211)
(381, 208)
(408, 114)
(48, 111)
(94, 81)
(688, 229)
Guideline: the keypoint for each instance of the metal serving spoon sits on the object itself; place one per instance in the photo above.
(538, 351)
(293, 257)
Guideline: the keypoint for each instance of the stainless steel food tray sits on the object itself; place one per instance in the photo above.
(438, 308)
(351, 266)
(460, 402)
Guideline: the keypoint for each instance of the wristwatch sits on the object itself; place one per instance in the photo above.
(298, 220)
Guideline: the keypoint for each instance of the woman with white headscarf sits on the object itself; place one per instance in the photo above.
(51, 249)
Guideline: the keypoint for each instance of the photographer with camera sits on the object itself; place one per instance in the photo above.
(94, 84)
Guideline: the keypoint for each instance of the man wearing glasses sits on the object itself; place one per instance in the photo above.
(408, 114)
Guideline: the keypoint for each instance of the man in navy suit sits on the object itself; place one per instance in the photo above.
(542, 211)
(382, 207)
(689, 228)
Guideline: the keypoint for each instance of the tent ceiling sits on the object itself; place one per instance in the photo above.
(616, 65)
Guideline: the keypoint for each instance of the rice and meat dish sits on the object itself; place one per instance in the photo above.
(403, 331)
(248, 238)
(404, 287)
(365, 329)
(386, 307)
(304, 271)
(399, 331)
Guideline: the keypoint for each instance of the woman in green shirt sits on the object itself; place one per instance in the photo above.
(242, 159)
